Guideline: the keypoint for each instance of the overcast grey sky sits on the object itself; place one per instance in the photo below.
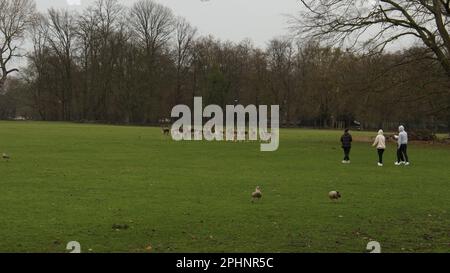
(235, 20)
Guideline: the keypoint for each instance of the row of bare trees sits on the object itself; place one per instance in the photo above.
(132, 65)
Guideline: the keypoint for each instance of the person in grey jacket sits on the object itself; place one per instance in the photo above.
(402, 150)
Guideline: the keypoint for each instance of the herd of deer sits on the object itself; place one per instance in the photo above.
(167, 132)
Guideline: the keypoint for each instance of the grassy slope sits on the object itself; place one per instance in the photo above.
(73, 182)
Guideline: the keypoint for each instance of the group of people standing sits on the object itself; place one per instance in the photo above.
(380, 144)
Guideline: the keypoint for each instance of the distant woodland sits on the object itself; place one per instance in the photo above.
(131, 65)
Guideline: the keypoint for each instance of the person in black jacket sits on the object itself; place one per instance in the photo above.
(346, 141)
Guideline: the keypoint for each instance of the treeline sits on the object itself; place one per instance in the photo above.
(116, 64)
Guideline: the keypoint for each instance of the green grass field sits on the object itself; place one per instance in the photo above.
(72, 182)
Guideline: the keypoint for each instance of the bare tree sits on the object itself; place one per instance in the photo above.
(37, 61)
(185, 35)
(108, 13)
(376, 23)
(109, 38)
(281, 57)
(16, 16)
(61, 37)
(152, 24)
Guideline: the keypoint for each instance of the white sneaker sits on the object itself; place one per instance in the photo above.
(344, 162)
(348, 162)
(407, 164)
(398, 163)
(380, 165)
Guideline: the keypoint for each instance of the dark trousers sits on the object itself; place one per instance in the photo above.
(402, 153)
(380, 155)
(347, 153)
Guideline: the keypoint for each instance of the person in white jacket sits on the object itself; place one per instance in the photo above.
(380, 143)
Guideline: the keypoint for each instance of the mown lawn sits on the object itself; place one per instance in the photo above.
(72, 182)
